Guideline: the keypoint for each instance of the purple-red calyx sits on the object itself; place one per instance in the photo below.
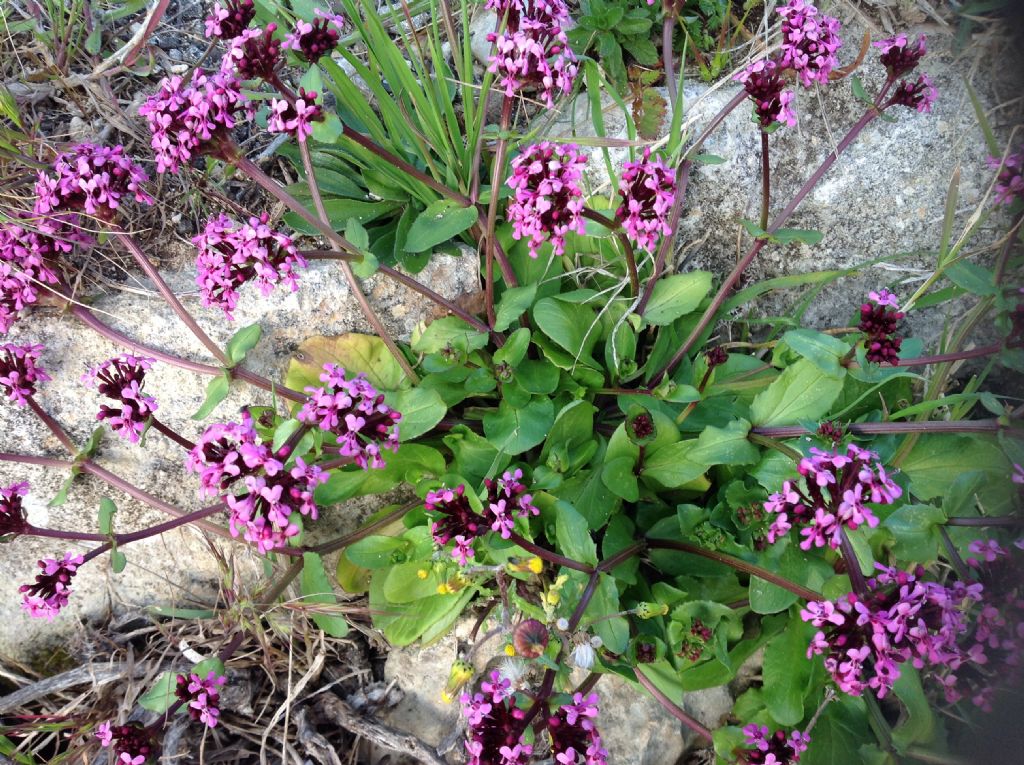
(648, 189)
(296, 117)
(548, 200)
(122, 379)
(317, 39)
(919, 95)
(131, 744)
(838, 485)
(810, 40)
(201, 696)
(227, 20)
(49, 594)
(764, 84)
(1009, 185)
(232, 254)
(355, 413)
(254, 54)
(774, 749)
(899, 55)
(495, 725)
(574, 736)
(20, 371)
(12, 514)
(880, 324)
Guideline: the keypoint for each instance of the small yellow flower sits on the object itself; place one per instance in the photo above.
(510, 650)
(422, 573)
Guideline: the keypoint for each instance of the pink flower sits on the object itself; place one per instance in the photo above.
(520, 14)
(884, 298)
(548, 201)
(254, 54)
(777, 749)
(1010, 180)
(535, 57)
(918, 95)
(232, 254)
(574, 737)
(90, 179)
(809, 42)
(23, 263)
(20, 371)
(12, 514)
(228, 20)
(495, 727)
(313, 41)
(765, 86)
(880, 325)
(899, 56)
(122, 379)
(49, 594)
(1018, 474)
(295, 119)
(648, 189)
(104, 734)
(201, 696)
(130, 743)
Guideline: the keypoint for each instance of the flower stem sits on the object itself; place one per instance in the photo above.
(765, 180)
(35, 531)
(860, 585)
(497, 171)
(151, 531)
(668, 57)
(550, 557)
(53, 426)
(957, 562)
(985, 522)
(350, 277)
(349, 539)
(28, 459)
(172, 434)
(941, 358)
(129, 243)
(673, 709)
(665, 247)
(616, 227)
(782, 217)
(883, 428)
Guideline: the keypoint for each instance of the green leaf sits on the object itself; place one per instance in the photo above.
(441, 221)
(801, 235)
(118, 561)
(514, 302)
(513, 430)
(937, 459)
(620, 477)
(802, 392)
(709, 159)
(514, 349)
(676, 296)
(403, 583)
(840, 731)
(570, 325)
(340, 212)
(160, 697)
(354, 352)
(972, 277)
(916, 529)
(243, 341)
(429, 618)
(615, 631)
(449, 331)
(421, 409)
(858, 90)
(573, 534)
(411, 463)
(824, 351)
(376, 551)
(786, 673)
(106, 516)
(918, 725)
(316, 588)
(216, 391)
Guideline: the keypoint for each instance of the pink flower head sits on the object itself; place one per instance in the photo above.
(534, 57)
(122, 379)
(227, 21)
(313, 41)
(881, 325)
(20, 371)
(1018, 474)
(919, 94)
(519, 14)
(884, 298)
(777, 749)
(232, 254)
(548, 201)
(455, 520)
(355, 413)
(12, 514)
(648, 189)
(495, 727)
(899, 56)
(24, 256)
(104, 734)
(90, 179)
(766, 88)
(989, 549)
(295, 118)
(201, 697)
(49, 594)
(193, 119)
(809, 42)
(130, 743)
(1010, 180)
(574, 737)
(254, 54)
(507, 499)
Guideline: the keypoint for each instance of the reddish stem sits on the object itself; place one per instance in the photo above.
(672, 708)
(882, 428)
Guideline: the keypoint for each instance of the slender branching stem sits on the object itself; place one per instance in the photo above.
(668, 56)
(615, 226)
(29, 459)
(962, 570)
(673, 709)
(1003, 259)
(884, 428)
(765, 180)
(941, 358)
(172, 434)
(550, 557)
(349, 539)
(857, 580)
(53, 426)
(497, 174)
(1001, 522)
(152, 531)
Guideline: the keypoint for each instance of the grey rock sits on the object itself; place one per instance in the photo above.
(482, 24)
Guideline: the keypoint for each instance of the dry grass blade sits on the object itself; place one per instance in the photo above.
(341, 713)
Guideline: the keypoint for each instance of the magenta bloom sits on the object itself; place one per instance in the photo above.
(20, 371)
(232, 254)
(227, 453)
(507, 499)
(764, 84)
(1010, 181)
(12, 514)
(228, 20)
(918, 95)
(313, 41)
(122, 379)
(297, 118)
(777, 749)
(355, 413)
(45, 598)
(574, 738)
(90, 179)
(836, 493)
(548, 201)
(131, 743)
(880, 325)
(899, 56)
(105, 734)
(648, 189)
(533, 58)
(901, 619)
(193, 119)
(495, 725)
(810, 40)
(201, 697)
(519, 14)
(23, 262)
(254, 54)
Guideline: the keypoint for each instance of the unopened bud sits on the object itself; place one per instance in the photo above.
(650, 610)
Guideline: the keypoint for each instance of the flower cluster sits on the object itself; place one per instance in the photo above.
(648, 189)
(880, 323)
(534, 56)
(527, 13)
(254, 54)
(1010, 180)
(45, 598)
(506, 500)
(899, 55)
(295, 118)
(194, 118)
(837, 489)
(809, 42)
(227, 21)
(23, 256)
(132, 744)
(574, 737)
(777, 749)
(900, 618)
(91, 179)
(495, 725)
(548, 201)
(919, 94)
(229, 452)
(232, 254)
(20, 371)
(355, 413)
(764, 84)
(12, 514)
(122, 379)
(314, 40)
(201, 696)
